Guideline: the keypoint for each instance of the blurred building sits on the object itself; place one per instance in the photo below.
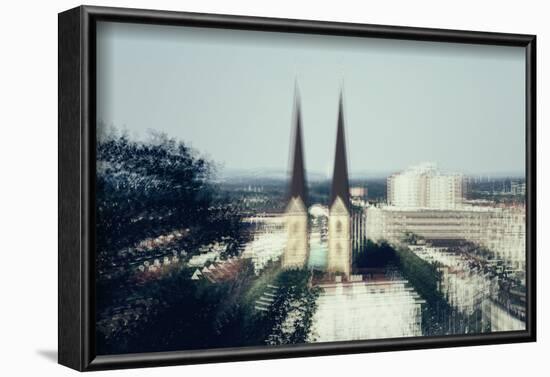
(394, 223)
(463, 284)
(499, 229)
(505, 235)
(423, 186)
(470, 289)
(517, 188)
(500, 318)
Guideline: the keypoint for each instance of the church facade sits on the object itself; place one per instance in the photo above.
(339, 254)
(296, 254)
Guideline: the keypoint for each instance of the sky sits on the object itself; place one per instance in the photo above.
(229, 94)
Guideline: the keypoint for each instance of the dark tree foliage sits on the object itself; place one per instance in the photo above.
(290, 316)
(294, 304)
(148, 189)
(189, 315)
(373, 255)
(424, 276)
(198, 314)
(288, 319)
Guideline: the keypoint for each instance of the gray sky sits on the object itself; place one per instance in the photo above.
(230, 95)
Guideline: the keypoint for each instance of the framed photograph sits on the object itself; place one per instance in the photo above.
(238, 188)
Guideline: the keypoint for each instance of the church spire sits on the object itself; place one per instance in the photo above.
(298, 187)
(340, 184)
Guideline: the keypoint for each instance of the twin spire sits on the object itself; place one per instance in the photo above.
(340, 184)
(298, 186)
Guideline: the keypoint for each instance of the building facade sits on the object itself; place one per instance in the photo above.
(394, 223)
(499, 229)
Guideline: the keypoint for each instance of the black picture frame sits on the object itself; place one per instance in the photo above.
(76, 163)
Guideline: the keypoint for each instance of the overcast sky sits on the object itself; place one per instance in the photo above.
(230, 95)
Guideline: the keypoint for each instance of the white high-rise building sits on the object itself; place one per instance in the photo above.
(444, 191)
(423, 186)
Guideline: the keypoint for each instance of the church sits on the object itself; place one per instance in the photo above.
(339, 255)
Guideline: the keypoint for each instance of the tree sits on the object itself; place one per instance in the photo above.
(148, 189)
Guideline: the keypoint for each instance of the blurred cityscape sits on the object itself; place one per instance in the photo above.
(463, 237)
(422, 252)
